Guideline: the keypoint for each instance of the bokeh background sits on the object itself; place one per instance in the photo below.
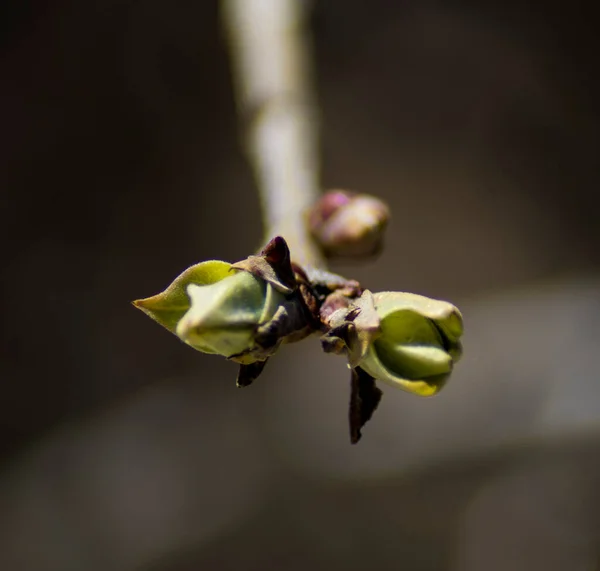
(120, 165)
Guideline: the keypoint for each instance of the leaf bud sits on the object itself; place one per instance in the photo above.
(347, 224)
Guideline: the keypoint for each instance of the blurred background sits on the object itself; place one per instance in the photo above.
(120, 165)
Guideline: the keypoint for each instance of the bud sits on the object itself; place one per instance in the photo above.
(348, 224)
(418, 342)
(242, 311)
(215, 308)
(406, 340)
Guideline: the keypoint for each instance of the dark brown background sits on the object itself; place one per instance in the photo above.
(120, 166)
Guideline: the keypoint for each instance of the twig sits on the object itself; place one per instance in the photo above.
(273, 79)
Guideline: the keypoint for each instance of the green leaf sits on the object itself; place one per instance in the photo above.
(169, 306)
(424, 387)
(444, 316)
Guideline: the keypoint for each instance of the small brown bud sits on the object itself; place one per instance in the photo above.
(347, 224)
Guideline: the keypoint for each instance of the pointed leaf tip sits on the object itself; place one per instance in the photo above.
(169, 306)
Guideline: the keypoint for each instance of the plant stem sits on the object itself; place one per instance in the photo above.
(273, 79)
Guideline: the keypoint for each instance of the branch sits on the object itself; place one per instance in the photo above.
(247, 315)
(273, 79)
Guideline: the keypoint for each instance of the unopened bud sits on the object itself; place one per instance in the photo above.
(242, 311)
(406, 340)
(215, 308)
(347, 224)
(418, 344)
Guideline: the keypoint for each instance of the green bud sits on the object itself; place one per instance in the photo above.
(418, 342)
(216, 308)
